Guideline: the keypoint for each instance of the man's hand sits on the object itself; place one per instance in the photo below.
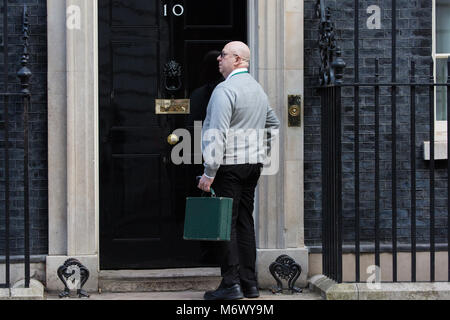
(205, 183)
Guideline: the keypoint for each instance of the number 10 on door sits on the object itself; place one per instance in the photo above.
(177, 10)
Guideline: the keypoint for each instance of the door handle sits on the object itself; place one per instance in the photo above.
(173, 139)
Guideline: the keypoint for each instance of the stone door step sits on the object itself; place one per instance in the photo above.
(195, 279)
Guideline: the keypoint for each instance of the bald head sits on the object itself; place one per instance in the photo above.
(234, 55)
(240, 49)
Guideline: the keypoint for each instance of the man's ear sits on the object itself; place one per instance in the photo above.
(238, 61)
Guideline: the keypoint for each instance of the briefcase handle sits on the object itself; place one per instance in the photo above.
(213, 194)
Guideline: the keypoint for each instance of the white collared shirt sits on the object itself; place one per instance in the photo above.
(237, 71)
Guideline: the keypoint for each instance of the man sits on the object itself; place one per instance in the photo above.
(233, 169)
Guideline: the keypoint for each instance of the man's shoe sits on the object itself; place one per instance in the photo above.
(251, 292)
(231, 293)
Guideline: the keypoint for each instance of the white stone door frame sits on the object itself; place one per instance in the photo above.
(277, 47)
(72, 137)
(280, 69)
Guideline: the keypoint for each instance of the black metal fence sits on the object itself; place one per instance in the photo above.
(12, 99)
(332, 110)
(336, 129)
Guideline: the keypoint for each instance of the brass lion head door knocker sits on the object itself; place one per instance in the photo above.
(172, 77)
(172, 83)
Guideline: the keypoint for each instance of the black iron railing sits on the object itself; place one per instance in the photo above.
(23, 98)
(334, 108)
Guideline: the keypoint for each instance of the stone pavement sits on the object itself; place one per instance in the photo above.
(186, 295)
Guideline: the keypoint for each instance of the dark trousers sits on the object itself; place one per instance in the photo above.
(239, 255)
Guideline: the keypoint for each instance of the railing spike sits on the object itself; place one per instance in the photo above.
(24, 74)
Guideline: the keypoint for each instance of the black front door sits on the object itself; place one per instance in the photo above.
(142, 192)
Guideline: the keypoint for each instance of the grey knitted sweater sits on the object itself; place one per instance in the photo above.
(235, 128)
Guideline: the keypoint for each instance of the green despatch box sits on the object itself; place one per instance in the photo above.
(208, 219)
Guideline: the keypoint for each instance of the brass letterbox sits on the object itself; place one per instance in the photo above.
(173, 106)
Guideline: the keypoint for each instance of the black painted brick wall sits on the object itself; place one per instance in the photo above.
(38, 129)
(414, 42)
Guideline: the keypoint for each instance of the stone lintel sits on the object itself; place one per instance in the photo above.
(4, 294)
(35, 291)
(330, 290)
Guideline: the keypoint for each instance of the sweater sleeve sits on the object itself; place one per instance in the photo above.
(215, 131)
(272, 121)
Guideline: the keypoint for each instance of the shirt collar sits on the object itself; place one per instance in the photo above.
(237, 71)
